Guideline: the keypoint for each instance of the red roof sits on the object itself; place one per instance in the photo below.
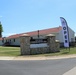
(0, 38)
(14, 36)
(41, 32)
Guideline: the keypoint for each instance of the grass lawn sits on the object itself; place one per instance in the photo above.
(63, 51)
(9, 51)
(15, 51)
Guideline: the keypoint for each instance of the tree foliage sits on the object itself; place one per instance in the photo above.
(1, 29)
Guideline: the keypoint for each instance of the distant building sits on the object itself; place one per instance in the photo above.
(57, 31)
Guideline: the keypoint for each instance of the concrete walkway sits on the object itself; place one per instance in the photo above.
(37, 57)
(71, 72)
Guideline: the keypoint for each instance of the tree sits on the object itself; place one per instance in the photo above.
(1, 30)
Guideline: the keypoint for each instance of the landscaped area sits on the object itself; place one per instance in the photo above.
(63, 51)
(9, 51)
(15, 51)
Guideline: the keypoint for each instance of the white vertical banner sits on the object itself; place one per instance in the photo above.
(65, 32)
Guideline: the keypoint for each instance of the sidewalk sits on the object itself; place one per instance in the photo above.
(71, 72)
(44, 57)
(37, 57)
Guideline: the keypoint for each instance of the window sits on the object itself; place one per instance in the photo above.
(2, 40)
(10, 40)
(14, 40)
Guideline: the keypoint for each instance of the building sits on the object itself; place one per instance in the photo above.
(57, 31)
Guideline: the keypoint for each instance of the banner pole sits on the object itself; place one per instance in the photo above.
(65, 32)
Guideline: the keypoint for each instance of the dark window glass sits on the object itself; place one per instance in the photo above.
(14, 40)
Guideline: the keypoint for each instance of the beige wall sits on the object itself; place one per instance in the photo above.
(71, 35)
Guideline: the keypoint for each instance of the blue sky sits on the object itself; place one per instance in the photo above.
(19, 16)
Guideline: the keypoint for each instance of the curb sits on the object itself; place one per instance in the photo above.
(37, 57)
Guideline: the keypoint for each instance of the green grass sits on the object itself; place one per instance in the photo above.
(63, 51)
(15, 51)
(9, 51)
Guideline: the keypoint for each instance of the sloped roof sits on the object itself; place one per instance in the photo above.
(41, 32)
(0, 38)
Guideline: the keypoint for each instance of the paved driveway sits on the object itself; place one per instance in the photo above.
(37, 67)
